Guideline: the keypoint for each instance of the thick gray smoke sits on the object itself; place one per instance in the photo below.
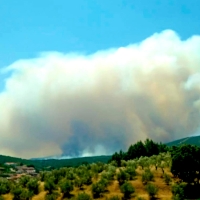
(74, 104)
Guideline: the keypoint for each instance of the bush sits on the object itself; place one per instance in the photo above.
(107, 175)
(83, 196)
(131, 171)
(33, 186)
(167, 178)
(52, 196)
(49, 186)
(78, 183)
(140, 198)
(26, 194)
(87, 179)
(97, 189)
(132, 163)
(4, 187)
(114, 198)
(17, 191)
(24, 180)
(127, 189)
(122, 176)
(66, 187)
(178, 191)
(147, 176)
(104, 182)
(152, 190)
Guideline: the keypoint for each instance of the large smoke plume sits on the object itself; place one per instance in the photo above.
(74, 104)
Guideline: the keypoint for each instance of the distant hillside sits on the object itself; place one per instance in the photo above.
(54, 163)
(193, 140)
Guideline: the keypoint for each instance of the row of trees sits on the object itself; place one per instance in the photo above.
(26, 188)
(183, 161)
(148, 148)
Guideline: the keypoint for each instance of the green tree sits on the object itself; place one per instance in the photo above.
(186, 163)
(66, 187)
(78, 182)
(114, 198)
(122, 176)
(178, 191)
(83, 196)
(127, 189)
(33, 185)
(131, 171)
(17, 191)
(152, 190)
(50, 186)
(97, 189)
(52, 196)
(135, 151)
(144, 162)
(147, 176)
(5, 186)
(24, 180)
(26, 194)
(167, 178)
(151, 147)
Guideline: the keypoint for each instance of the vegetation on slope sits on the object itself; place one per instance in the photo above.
(54, 163)
(158, 172)
(194, 140)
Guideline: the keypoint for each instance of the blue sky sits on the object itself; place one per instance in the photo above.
(30, 27)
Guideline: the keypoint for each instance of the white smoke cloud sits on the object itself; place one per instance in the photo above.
(75, 104)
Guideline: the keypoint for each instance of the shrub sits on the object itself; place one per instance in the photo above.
(131, 171)
(140, 198)
(152, 190)
(52, 196)
(104, 182)
(122, 176)
(26, 194)
(114, 198)
(4, 187)
(66, 187)
(167, 178)
(78, 183)
(127, 189)
(70, 175)
(132, 163)
(107, 175)
(83, 196)
(97, 189)
(33, 186)
(17, 191)
(49, 185)
(87, 179)
(24, 180)
(123, 163)
(178, 191)
(147, 176)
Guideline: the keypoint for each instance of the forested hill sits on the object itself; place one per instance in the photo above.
(53, 163)
(194, 140)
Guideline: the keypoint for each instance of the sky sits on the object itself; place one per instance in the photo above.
(72, 72)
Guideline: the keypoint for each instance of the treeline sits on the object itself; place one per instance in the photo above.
(147, 148)
(184, 164)
(54, 163)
